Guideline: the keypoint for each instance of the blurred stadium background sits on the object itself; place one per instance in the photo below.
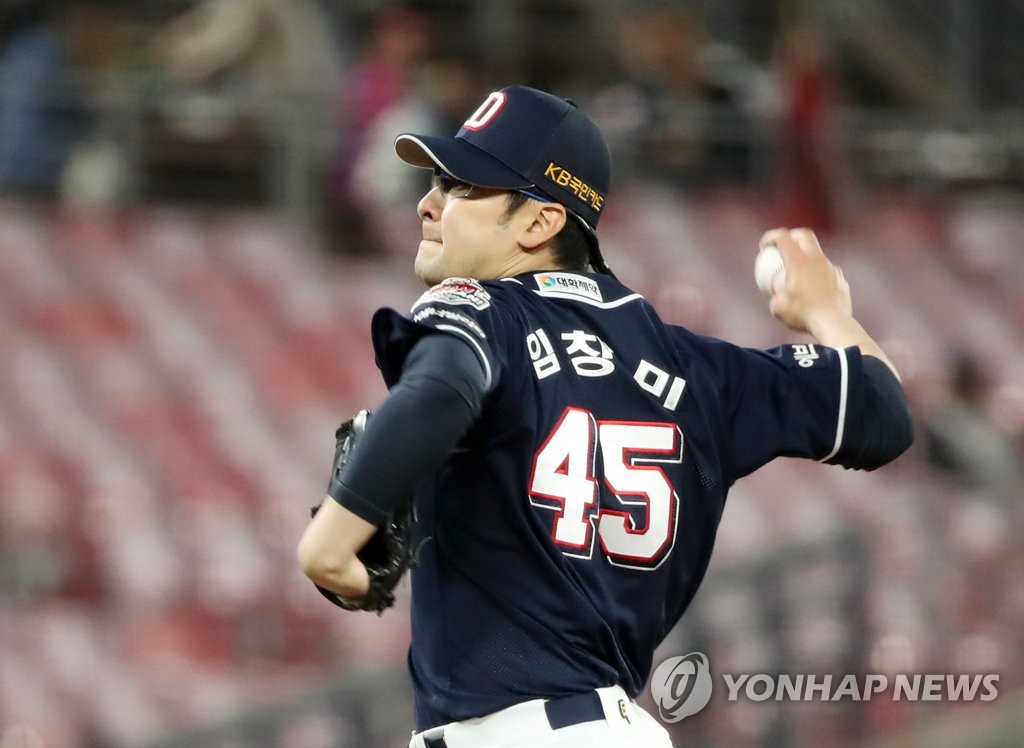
(199, 211)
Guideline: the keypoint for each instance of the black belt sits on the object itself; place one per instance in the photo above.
(574, 709)
(561, 712)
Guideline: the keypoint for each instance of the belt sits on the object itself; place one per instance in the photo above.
(574, 709)
(561, 712)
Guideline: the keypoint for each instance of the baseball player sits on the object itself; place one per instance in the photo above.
(569, 453)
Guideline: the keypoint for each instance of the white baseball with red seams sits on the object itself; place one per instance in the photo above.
(770, 271)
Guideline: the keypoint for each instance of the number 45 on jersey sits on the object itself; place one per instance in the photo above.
(565, 478)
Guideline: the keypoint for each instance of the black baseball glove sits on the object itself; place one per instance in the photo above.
(388, 552)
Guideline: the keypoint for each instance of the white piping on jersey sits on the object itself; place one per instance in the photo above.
(476, 345)
(844, 384)
(591, 302)
(575, 297)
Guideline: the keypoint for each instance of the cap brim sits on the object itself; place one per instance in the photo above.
(462, 160)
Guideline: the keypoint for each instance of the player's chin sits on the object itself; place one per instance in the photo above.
(427, 265)
(429, 251)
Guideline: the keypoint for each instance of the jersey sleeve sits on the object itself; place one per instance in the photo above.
(791, 401)
(460, 307)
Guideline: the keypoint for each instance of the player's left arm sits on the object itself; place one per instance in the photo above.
(437, 397)
(328, 548)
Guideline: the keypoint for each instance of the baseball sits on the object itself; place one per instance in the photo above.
(769, 271)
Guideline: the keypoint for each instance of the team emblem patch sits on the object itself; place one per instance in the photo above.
(464, 291)
(427, 314)
(562, 284)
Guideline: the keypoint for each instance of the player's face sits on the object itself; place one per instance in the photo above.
(466, 232)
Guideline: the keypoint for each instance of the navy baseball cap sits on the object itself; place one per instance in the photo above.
(521, 138)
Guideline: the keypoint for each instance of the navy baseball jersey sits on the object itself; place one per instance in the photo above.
(569, 530)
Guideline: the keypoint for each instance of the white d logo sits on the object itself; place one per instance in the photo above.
(681, 686)
(485, 113)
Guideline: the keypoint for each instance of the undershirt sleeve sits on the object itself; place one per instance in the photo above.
(438, 396)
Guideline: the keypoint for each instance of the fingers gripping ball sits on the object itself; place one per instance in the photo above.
(770, 271)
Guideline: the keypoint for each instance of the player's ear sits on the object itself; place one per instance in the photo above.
(548, 220)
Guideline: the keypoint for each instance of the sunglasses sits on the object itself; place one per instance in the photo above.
(450, 186)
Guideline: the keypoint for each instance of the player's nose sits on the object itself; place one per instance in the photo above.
(430, 205)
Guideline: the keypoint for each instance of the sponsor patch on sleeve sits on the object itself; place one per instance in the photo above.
(456, 291)
(806, 355)
(563, 285)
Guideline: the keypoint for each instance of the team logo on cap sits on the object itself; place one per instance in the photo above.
(486, 111)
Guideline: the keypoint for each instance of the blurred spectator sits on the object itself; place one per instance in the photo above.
(810, 163)
(965, 440)
(245, 76)
(379, 98)
(671, 110)
(270, 46)
(452, 86)
(39, 118)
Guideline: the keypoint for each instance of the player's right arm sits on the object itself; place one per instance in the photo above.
(841, 404)
(816, 299)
